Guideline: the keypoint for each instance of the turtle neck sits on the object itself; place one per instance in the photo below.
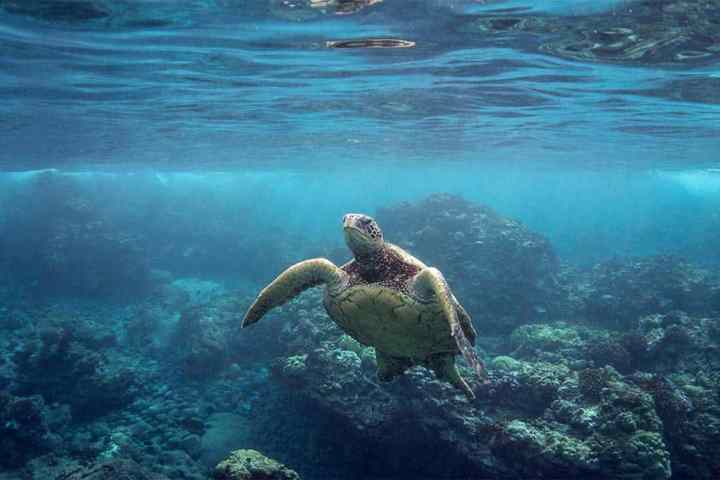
(372, 265)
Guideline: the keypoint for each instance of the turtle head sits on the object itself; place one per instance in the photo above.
(362, 234)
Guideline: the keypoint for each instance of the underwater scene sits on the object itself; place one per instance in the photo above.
(359, 239)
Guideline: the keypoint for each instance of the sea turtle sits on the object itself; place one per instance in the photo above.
(387, 299)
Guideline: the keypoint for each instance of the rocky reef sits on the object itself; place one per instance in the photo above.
(67, 368)
(606, 393)
(573, 417)
(252, 465)
(600, 373)
(24, 430)
(111, 469)
(619, 291)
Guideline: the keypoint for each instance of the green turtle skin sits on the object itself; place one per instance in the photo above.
(386, 299)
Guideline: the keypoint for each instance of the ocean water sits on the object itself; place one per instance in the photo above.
(161, 162)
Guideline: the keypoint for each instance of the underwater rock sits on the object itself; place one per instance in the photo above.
(642, 32)
(598, 426)
(577, 346)
(415, 420)
(58, 366)
(49, 466)
(569, 424)
(693, 438)
(252, 465)
(612, 351)
(542, 452)
(629, 437)
(592, 381)
(201, 343)
(23, 429)
(141, 329)
(573, 416)
(225, 432)
(184, 293)
(546, 337)
(480, 251)
(672, 342)
(526, 386)
(305, 324)
(620, 291)
(118, 469)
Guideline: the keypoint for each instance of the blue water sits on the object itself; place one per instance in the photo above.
(222, 85)
(162, 161)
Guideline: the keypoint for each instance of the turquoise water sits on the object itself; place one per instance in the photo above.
(162, 161)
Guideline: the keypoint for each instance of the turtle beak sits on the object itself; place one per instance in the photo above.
(349, 221)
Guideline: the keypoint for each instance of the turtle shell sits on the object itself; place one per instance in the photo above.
(392, 321)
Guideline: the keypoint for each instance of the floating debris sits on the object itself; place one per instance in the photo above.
(371, 43)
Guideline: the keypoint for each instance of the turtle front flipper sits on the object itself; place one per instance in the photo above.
(293, 281)
(465, 322)
(430, 283)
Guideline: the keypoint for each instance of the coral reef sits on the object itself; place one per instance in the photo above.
(24, 428)
(620, 291)
(252, 465)
(582, 387)
(62, 368)
(112, 470)
(201, 342)
(565, 418)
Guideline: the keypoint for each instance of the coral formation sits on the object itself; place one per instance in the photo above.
(62, 367)
(24, 428)
(201, 343)
(111, 470)
(620, 291)
(252, 465)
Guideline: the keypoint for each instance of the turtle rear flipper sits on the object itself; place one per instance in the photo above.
(389, 367)
(291, 283)
(443, 365)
